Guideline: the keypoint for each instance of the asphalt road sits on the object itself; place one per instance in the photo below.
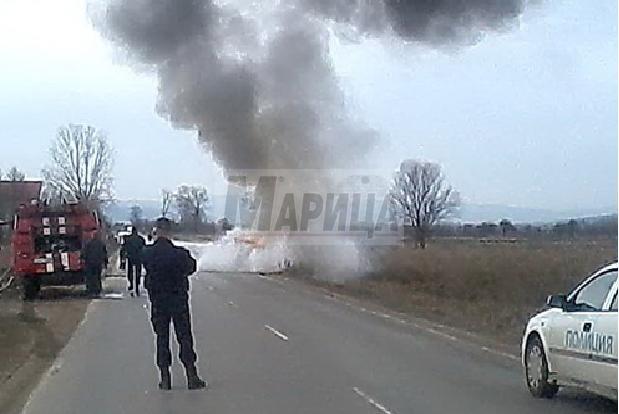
(272, 346)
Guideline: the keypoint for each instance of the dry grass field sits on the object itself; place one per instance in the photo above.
(489, 289)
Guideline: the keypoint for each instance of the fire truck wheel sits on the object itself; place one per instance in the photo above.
(31, 287)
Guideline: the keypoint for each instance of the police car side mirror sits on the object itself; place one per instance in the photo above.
(557, 301)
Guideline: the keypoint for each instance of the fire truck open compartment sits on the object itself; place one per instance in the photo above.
(57, 244)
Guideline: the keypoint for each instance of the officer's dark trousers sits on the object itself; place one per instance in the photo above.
(92, 275)
(173, 309)
(134, 269)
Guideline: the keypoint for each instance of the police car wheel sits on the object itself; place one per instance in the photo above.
(536, 370)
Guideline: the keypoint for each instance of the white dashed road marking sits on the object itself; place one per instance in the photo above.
(372, 401)
(276, 332)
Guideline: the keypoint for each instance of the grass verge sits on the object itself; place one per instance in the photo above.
(490, 290)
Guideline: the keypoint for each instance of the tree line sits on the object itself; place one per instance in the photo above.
(191, 202)
(13, 174)
(598, 227)
(81, 169)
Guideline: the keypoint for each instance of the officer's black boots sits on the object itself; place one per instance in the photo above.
(166, 380)
(194, 382)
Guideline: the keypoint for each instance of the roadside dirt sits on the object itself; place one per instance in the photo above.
(31, 335)
(4, 261)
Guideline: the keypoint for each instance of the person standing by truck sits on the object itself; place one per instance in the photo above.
(168, 268)
(94, 255)
(133, 246)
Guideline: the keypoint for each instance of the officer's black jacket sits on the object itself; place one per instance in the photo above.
(133, 247)
(167, 269)
(94, 253)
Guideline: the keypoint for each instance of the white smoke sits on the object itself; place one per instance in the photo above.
(241, 252)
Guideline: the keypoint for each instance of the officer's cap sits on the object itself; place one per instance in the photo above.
(164, 224)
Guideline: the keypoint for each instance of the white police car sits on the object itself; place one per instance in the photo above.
(574, 341)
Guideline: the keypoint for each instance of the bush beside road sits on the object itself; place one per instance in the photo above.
(489, 290)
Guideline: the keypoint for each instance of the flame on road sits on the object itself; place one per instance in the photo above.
(241, 252)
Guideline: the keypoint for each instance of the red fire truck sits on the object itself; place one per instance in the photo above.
(46, 244)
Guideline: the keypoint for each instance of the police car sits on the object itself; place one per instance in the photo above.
(574, 341)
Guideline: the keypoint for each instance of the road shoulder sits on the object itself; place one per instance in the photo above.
(507, 350)
(32, 334)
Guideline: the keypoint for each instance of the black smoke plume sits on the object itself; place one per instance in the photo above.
(256, 79)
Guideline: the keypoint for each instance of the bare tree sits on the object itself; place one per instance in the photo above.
(191, 202)
(420, 195)
(15, 175)
(136, 215)
(82, 163)
(52, 194)
(506, 226)
(166, 202)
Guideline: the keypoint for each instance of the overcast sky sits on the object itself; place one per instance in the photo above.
(526, 117)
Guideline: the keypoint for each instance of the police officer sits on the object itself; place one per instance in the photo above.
(167, 270)
(133, 252)
(94, 255)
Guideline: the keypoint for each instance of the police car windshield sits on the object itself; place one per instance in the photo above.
(593, 295)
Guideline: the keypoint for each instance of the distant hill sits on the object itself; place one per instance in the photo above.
(468, 213)
(475, 213)
(120, 210)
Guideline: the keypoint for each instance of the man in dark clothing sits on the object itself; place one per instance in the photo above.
(132, 250)
(167, 270)
(94, 255)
